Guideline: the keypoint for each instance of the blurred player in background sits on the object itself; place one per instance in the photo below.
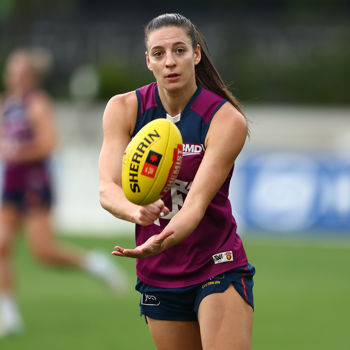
(28, 137)
(193, 274)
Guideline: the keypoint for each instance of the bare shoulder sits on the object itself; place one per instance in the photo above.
(121, 112)
(126, 103)
(123, 100)
(229, 123)
(40, 107)
(229, 114)
(40, 97)
(40, 102)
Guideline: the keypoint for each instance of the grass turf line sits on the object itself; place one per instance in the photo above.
(301, 298)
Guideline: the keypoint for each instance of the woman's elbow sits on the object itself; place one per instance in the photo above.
(103, 198)
(103, 203)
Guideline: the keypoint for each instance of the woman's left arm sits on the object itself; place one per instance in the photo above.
(225, 140)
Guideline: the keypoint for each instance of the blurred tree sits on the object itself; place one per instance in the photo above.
(6, 6)
(273, 51)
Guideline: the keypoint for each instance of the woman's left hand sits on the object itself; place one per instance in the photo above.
(153, 246)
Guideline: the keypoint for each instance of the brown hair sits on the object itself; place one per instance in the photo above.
(206, 73)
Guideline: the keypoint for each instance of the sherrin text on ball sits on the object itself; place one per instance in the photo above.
(152, 162)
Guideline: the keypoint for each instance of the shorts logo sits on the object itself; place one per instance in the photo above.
(150, 300)
(223, 257)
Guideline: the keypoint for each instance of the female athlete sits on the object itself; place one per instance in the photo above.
(193, 274)
(27, 139)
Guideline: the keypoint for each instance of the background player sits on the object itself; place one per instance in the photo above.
(28, 136)
(193, 273)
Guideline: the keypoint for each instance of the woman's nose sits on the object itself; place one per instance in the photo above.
(170, 61)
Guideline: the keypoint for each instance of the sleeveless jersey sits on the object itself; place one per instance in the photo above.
(16, 131)
(214, 246)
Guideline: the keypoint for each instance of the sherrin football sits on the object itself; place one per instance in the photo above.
(151, 162)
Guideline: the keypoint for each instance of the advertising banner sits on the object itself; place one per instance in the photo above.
(293, 192)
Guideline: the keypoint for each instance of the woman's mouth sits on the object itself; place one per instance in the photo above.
(173, 76)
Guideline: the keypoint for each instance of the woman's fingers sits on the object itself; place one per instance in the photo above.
(162, 209)
(118, 251)
(151, 247)
(147, 214)
(164, 234)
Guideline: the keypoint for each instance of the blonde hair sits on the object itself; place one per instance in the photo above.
(39, 59)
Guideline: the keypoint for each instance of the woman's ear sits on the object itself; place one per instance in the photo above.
(148, 62)
(197, 55)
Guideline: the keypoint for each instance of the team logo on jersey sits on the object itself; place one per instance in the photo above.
(223, 257)
(192, 148)
(149, 300)
(151, 164)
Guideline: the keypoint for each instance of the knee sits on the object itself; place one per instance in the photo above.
(43, 254)
(5, 245)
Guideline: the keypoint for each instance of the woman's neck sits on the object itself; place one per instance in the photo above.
(174, 102)
(21, 91)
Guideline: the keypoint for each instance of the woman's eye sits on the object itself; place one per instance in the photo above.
(180, 50)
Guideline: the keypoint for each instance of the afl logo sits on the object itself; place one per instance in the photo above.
(223, 257)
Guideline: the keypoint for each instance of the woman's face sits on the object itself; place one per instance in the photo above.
(171, 58)
(19, 75)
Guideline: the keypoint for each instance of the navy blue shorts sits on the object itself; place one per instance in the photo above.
(29, 199)
(181, 304)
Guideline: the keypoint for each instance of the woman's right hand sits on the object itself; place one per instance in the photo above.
(146, 214)
(119, 122)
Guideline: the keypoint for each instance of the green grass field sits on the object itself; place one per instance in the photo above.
(302, 290)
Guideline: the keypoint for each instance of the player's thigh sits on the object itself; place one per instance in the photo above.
(9, 221)
(37, 204)
(39, 227)
(226, 321)
(175, 335)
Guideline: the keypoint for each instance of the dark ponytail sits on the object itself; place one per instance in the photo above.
(206, 73)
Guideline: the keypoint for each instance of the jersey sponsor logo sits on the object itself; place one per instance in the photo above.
(151, 164)
(149, 300)
(223, 257)
(192, 148)
(174, 170)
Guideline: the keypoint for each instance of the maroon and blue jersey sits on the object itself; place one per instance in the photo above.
(214, 246)
(17, 132)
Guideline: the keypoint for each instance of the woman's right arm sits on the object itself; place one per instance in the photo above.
(119, 120)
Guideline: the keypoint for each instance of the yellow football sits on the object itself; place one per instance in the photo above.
(151, 162)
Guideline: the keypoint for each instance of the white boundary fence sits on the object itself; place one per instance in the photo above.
(273, 128)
